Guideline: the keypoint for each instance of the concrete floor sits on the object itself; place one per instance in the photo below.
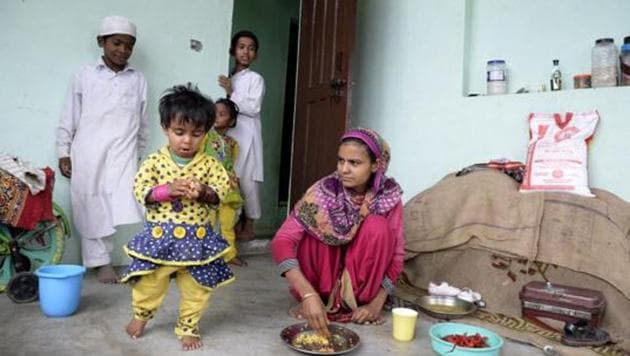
(244, 318)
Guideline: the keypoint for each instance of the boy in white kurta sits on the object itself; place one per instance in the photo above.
(100, 134)
(247, 88)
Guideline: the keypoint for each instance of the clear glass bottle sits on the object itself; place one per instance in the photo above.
(555, 82)
(496, 77)
(604, 63)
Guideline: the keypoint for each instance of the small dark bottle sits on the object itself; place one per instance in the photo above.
(555, 83)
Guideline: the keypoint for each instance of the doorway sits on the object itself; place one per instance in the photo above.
(273, 22)
(288, 126)
(287, 117)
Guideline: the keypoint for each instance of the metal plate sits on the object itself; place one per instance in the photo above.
(343, 339)
(444, 307)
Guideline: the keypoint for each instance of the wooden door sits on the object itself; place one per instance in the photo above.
(323, 97)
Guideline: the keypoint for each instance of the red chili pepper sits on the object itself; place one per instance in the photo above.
(473, 341)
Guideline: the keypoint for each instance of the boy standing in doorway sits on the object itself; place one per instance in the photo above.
(246, 88)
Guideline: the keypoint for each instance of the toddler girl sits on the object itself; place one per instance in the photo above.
(180, 186)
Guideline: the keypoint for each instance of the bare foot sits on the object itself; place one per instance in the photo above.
(246, 232)
(378, 321)
(245, 235)
(190, 342)
(106, 274)
(135, 328)
(238, 227)
(237, 261)
(296, 311)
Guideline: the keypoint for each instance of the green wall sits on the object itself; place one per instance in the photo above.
(42, 43)
(270, 21)
(413, 62)
(415, 59)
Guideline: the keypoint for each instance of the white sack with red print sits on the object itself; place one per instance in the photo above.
(557, 154)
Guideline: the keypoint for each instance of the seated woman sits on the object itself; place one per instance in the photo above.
(341, 248)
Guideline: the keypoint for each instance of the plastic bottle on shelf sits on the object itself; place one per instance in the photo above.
(496, 77)
(604, 63)
(555, 82)
(625, 64)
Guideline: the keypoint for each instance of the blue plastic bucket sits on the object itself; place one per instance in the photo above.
(60, 289)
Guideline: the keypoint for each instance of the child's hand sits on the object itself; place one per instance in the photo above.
(195, 188)
(179, 188)
(208, 195)
(65, 166)
(226, 83)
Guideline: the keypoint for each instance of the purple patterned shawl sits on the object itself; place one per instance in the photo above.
(326, 209)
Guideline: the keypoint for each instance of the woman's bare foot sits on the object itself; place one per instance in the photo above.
(378, 321)
(190, 342)
(237, 261)
(135, 328)
(106, 274)
(296, 311)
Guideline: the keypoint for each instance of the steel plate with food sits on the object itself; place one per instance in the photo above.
(445, 307)
(302, 338)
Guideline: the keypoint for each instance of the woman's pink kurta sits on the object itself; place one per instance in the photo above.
(374, 258)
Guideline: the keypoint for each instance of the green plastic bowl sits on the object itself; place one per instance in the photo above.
(441, 347)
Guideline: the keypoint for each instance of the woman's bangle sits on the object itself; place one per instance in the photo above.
(308, 295)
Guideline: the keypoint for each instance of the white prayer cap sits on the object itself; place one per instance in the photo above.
(117, 25)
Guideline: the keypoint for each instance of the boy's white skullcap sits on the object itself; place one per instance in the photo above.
(117, 25)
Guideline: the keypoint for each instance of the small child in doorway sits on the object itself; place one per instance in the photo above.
(225, 149)
(180, 186)
(246, 88)
(101, 133)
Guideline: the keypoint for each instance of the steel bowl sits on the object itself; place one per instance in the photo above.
(445, 307)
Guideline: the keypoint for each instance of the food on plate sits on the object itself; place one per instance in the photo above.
(312, 341)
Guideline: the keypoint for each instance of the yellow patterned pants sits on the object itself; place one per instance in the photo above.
(227, 220)
(149, 291)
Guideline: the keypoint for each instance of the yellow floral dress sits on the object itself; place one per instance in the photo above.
(179, 232)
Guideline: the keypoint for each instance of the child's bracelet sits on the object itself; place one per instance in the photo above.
(308, 295)
(160, 193)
